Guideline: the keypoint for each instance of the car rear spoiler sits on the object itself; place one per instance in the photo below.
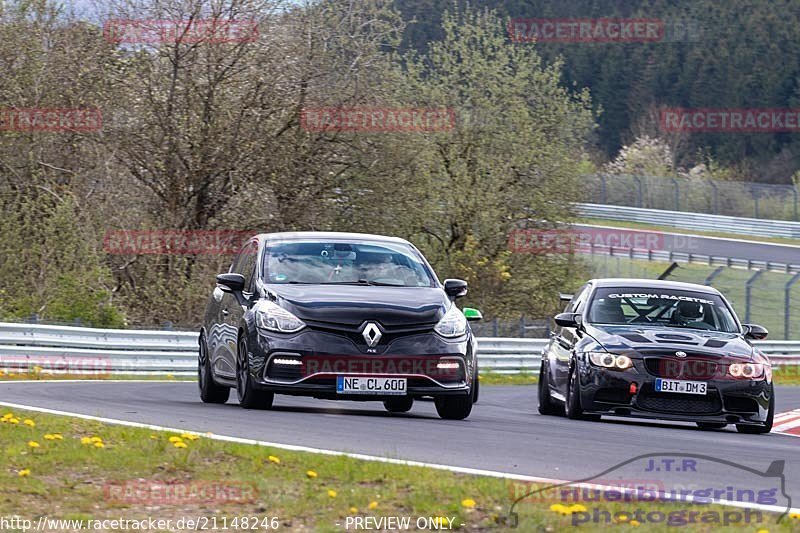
(564, 297)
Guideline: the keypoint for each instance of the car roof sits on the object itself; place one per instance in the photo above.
(651, 283)
(331, 235)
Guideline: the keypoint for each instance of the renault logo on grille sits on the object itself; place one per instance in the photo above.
(372, 334)
(681, 354)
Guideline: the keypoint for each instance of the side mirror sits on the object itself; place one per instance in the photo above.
(230, 282)
(455, 288)
(755, 332)
(472, 314)
(568, 320)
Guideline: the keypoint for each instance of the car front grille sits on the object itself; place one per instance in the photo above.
(689, 369)
(665, 402)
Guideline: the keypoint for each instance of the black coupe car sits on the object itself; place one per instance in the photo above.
(337, 316)
(656, 349)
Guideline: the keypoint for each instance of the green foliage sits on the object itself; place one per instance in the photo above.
(49, 263)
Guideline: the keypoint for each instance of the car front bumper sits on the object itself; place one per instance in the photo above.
(729, 401)
(323, 356)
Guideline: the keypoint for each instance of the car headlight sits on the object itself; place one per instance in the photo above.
(273, 317)
(452, 324)
(610, 360)
(746, 370)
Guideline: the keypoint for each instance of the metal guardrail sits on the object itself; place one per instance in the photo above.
(758, 227)
(689, 257)
(63, 349)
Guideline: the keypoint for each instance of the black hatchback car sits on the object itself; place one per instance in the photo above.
(337, 316)
(656, 349)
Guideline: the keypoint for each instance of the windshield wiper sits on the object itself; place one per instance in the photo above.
(362, 282)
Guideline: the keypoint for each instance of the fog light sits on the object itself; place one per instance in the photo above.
(289, 362)
(632, 389)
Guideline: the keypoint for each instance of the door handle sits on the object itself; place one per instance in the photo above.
(225, 312)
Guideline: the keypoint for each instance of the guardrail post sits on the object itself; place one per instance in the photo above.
(494, 327)
(794, 196)
(522, 326)
(787, 293)
(748, 286)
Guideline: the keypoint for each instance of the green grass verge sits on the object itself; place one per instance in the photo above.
(67, 476)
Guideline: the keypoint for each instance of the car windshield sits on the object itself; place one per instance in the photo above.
(661, 307)
(350, 262)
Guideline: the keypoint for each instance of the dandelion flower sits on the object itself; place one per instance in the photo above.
(469, 503)
(189, 436)
(439, 521)
(175, 439)
(180, 444)
(154, 437)
(49, 437)
(7, 416)
(33, 444)
(635, 523)
(373, 505)
(332, 493)
(29, 422)
(577, 508)
(311, 474)
(99, 444)
(58, 436)
(86, 440)
(13, 420)
(24, 472)
(354, 510)
(273, 459)
(96, 439)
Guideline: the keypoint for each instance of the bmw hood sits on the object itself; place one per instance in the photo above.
(647, 339)
(351, 305)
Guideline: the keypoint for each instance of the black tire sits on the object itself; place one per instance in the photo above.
(766, 427)
(711, 425)
(572, 405)
(210, 392)
(546, 404)
(476, 386)
(399, 405)
(454, 407)
(249, 396)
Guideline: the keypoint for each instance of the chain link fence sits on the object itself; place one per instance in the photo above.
(771, 299)
(698, 195)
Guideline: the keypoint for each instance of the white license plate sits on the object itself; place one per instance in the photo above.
(370, 385)
(684, 387)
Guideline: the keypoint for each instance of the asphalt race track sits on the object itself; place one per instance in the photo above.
(747, 248)
(505, 433)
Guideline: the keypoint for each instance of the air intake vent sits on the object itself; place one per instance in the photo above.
(633, 337)
(714, 343)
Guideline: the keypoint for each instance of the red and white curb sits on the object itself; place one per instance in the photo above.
(787, 423)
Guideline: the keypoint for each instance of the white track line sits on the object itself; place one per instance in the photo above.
(374, 458)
